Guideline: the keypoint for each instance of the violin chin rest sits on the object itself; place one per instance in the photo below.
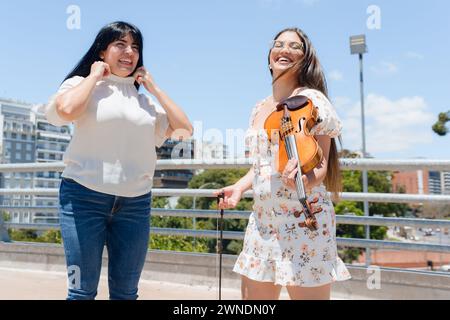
(293, 103)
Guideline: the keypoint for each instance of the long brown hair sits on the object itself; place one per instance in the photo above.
(310, 74)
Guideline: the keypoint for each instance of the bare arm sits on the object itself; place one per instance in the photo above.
(233, 193)
(71, 104)
(245, 183)
(178, 120)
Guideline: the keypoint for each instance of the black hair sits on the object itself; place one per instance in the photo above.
(108, 34)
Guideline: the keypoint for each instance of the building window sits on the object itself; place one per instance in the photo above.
(28, 157)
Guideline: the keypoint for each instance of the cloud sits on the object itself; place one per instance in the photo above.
(414, 55)
(384, 68)
(392, 126)
(335, 75)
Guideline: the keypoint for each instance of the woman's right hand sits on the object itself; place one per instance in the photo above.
(99, 70)
(232, 196)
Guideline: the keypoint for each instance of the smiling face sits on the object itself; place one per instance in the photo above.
(122, 56)
(287, 51)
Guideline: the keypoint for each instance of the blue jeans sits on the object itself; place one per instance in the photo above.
(89, 221)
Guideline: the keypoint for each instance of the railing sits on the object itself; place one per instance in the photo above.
(346, 164)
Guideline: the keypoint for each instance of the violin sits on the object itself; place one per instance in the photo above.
(290, 125)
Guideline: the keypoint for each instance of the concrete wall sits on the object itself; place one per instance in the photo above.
(202, 269)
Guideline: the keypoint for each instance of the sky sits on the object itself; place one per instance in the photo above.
(210, 57)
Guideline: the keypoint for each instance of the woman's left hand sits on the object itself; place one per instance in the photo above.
(142, 76)
(289, 173)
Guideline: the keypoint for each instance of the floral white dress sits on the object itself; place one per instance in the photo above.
(276, 249)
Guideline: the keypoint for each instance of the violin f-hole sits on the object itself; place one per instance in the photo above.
(299, 126)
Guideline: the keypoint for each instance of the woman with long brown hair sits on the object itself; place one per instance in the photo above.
(278, 249)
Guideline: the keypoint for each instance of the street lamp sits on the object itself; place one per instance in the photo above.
(358, 46)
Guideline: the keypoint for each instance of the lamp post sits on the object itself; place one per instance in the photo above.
(358, 46)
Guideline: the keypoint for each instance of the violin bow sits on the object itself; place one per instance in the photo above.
(219, 243)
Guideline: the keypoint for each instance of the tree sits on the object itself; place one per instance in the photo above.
(159, 202)
(177, 243)
(6, 216)
(378, 181)
(213, 179)
(439, 127)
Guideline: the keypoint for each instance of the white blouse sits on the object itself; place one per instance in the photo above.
(113, 146)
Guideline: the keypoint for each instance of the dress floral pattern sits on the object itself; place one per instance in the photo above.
(276, 249)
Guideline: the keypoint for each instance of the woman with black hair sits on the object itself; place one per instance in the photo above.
(105, 192)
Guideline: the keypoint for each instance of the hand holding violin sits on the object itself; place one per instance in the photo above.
(289, 173)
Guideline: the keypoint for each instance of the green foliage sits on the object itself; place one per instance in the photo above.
(213, 179)
(378, 181)
(6, 216)
(159, 202)
(439, 127)
(177, 243)
(50, 236)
